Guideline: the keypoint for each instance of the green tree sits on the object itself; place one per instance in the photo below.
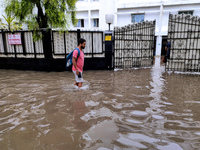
(9, 21)
(11, 24)
(49, 13)
(2, 25)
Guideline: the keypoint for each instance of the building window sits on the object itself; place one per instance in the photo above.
(80, 23)
(95, 22)
(186, 12)
(135, 18)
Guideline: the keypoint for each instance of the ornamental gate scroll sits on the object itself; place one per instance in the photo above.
(184, 35)
(134, 45)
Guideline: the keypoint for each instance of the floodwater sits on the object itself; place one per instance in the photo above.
(132, 109)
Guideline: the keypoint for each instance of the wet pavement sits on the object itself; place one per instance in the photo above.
(145, 108)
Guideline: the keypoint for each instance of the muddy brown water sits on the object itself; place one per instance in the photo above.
(145, 108)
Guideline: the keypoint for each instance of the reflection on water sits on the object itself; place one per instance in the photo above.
(131, 109)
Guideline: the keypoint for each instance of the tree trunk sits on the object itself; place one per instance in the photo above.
(47, 45)
(41, 17)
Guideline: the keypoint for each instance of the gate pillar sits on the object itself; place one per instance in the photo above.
(109, 49)
(158, 45)
(47, 47)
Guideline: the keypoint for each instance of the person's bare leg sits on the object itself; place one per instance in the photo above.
(76, 83)
(80, 84)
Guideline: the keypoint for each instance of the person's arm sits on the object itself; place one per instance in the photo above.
(166, 48)
(75, 66)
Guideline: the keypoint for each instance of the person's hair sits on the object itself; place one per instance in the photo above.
(81, 41)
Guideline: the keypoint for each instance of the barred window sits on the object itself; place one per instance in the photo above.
(80, 23)
(95, 22)
(135, 18)
(186, 12)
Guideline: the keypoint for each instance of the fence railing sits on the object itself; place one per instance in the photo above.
(62, 43)
(134, 45)
(184, 36)
(27, 48)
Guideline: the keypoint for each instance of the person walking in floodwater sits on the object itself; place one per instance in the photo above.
(167, 49)
(78, 62)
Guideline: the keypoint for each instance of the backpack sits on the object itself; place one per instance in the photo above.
(69, 59)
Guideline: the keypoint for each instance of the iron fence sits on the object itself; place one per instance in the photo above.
(62, 43)
(184, 36)
(134, 45)
(28, 48)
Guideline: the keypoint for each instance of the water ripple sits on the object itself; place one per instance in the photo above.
(127, 109)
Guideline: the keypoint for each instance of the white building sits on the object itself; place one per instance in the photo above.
(89, 11)
(92, 13)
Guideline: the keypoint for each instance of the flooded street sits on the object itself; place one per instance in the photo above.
(145, 108)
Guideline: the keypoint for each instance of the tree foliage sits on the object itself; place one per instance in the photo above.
(38, 14)
(11, 24)
(2, 25)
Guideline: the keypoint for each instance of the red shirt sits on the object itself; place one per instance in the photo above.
(79, 62)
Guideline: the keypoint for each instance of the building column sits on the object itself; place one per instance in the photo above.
(106, 7)
(159, 37)
(89, 19)
(115, 14)
(158, 45)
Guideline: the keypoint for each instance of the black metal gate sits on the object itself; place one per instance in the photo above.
(50, 53)
(134, 45)
(184, 35)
